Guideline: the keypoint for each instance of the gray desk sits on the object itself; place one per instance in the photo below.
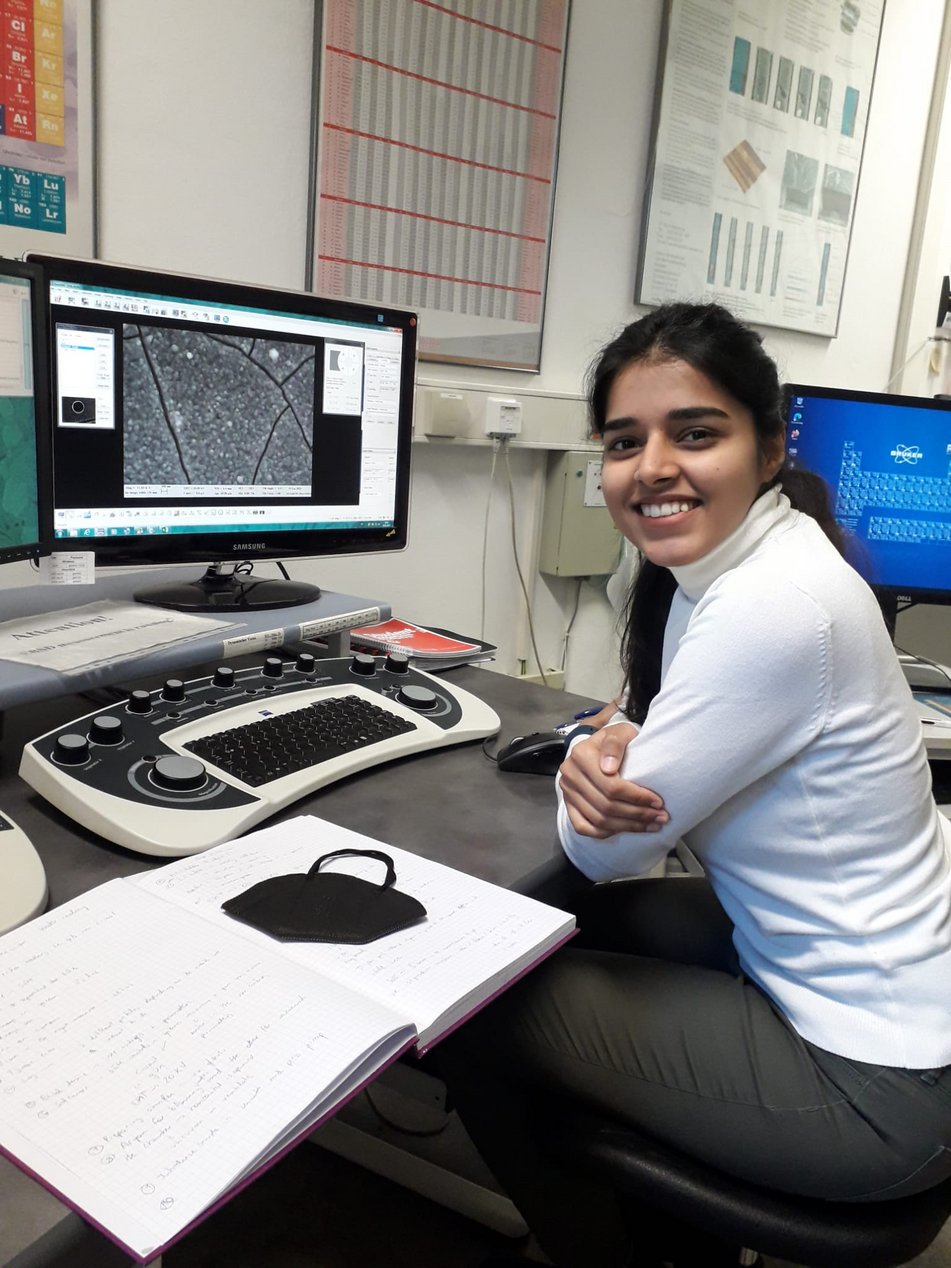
(328, 618)
(452, 805)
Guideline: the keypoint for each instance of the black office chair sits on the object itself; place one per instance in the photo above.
(805, 1231)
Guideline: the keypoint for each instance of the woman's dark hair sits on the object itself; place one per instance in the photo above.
(731, 354)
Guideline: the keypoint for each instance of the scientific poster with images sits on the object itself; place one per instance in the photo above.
(437, 135)
(46, 195)
(756, 157)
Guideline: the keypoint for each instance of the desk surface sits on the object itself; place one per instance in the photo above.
(450, 804)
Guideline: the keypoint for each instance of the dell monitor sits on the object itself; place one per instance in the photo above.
(887, 462)
(197, 420)
(25, 512)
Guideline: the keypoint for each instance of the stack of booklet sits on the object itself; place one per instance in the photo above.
(429, 648)
(156, 1054)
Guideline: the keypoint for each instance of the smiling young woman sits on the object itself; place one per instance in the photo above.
(682, 460)
(785, 1017)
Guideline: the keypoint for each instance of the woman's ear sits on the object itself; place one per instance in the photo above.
(774, 455)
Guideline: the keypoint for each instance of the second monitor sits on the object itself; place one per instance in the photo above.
(887, 461)
(196, 420)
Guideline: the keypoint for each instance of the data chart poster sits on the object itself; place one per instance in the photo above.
(436, 147)
(46, 192)
(757, 151)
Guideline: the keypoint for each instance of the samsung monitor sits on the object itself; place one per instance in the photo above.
(25, 508)
(887, 461)
(214, 422)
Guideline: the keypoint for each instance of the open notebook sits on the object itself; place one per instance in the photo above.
(155, 1054)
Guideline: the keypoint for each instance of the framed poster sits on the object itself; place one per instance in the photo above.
(436, 136)
(757, 151)
(47, 189)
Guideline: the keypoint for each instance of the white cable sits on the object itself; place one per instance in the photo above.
(485, 536)
(518, 566)
(911, 356)
(570, 625)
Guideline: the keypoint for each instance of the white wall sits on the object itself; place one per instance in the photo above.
(204, 118)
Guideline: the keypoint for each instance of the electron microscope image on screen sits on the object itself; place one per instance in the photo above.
(209, 410)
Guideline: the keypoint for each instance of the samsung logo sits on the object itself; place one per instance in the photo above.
(249, 545)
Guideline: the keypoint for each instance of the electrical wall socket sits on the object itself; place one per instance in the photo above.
(503, 416)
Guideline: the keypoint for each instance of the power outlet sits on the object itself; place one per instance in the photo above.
(503, 416)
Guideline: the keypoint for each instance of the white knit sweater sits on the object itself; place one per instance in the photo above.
(786, 747)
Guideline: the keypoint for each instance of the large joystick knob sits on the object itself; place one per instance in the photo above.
(106, 730)
(306, 663)
(174, 690)
(140, 702)
(397, 663)
(179, 774)
(71, 749)
(223, 676)
(417, 697)
(363, 663)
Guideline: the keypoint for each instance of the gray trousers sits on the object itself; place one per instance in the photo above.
(647, 1017)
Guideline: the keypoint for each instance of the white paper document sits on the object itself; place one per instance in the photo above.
(81, 638)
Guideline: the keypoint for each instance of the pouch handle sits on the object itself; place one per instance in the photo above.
(370, 854)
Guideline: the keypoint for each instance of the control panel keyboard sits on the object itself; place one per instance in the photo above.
(176, 770)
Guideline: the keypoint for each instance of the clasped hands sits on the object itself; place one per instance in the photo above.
(599, 802)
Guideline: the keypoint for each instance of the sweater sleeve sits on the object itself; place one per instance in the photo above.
(746, 690)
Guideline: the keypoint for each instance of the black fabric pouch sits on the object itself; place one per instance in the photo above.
(318, 906)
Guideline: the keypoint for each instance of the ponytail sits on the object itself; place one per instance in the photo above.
(809, 493)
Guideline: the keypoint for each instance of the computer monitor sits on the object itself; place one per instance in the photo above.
(25, 510)
(197, 420)
(887, 461)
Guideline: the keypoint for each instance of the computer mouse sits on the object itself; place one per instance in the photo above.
(540, 753)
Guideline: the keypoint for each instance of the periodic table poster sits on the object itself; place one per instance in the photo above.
(46, 176)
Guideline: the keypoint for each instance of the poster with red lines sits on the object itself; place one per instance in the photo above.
(436, 153)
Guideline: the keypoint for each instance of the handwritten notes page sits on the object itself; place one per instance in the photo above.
(154, 1052)
(476, 936)
(149, 1060)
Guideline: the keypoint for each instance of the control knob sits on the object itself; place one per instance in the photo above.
(306, 663)
(420, 698)
(106, 730)
(223, 676)
(363, 663)
(273, 667)
(397, 663)
(179, 774)
(174, 690)
(71, 749)
(139, 702)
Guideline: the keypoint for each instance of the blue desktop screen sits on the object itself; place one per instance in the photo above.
(887, 461)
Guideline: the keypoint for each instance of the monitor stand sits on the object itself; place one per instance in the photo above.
(232, 591)
(889, 605)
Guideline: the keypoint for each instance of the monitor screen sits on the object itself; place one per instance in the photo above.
(887, 461)
(24, 415)
(213, 421)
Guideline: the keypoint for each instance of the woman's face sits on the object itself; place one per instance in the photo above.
(682, 464)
